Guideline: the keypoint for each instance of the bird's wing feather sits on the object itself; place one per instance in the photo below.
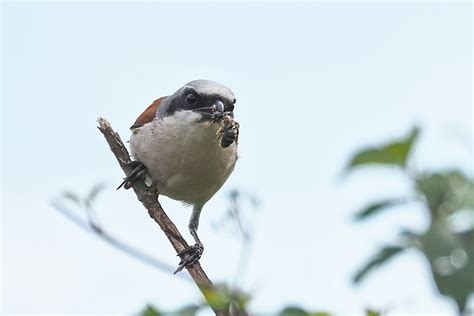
(148, 115)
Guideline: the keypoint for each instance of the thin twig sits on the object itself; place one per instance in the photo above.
(101, 233)
(149, 198)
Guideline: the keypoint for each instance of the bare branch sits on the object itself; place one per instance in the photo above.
(149, 199)
(106, 236)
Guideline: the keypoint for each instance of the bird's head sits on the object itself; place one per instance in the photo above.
(207, 98)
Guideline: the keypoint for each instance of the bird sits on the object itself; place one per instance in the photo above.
(187, 144)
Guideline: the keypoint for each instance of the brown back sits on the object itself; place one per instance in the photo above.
(148, 115)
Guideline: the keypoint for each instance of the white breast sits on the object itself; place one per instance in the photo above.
(183, 156)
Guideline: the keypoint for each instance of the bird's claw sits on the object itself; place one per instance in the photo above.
(138, 171)
(189, 256)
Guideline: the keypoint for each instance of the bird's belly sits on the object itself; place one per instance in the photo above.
(184, 157)
(195, 183)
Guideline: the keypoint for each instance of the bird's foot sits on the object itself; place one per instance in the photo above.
(189, 256)
(138, 172)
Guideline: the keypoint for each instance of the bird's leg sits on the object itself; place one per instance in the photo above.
(191, 254)
(138, 171)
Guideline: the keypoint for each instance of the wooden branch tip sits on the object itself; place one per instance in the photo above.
(103, 123)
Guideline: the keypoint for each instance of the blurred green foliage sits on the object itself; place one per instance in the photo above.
(192, 310)
(377, 207)
(228, 298)
(394, 153)
(380, 258)
(150, 311)
(222, 297)
(298, 311)
(448, 249)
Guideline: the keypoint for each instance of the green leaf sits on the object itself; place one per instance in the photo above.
(298, 311)
(394, 153)
(371, 312)
(450, 256)
(217, 298)
(446, 192)
(150, 311)
(222, 296)
(293, 311)
(377, 207)
(188, 310)
(241, 299)
(383, 256)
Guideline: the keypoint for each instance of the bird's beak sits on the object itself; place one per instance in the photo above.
(206, 112)
(217, 110)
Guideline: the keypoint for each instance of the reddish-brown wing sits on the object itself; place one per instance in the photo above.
(148, 115)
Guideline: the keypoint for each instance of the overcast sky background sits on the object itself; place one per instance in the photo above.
(314, 82)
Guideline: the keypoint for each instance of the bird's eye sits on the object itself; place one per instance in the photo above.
(191, 99)
(233, 101)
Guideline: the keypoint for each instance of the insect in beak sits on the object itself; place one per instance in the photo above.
(219, 111)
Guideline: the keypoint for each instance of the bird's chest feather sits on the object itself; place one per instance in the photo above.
(183, 155)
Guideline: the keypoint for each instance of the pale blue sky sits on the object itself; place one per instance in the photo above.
(313, 82)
